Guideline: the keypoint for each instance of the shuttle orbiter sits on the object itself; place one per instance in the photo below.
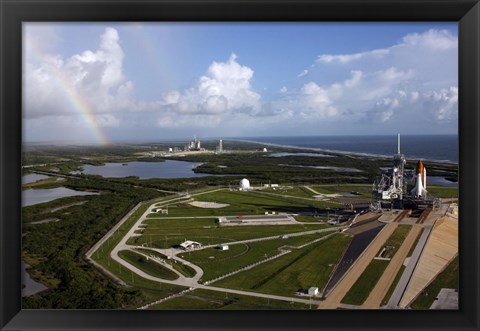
(420, 189)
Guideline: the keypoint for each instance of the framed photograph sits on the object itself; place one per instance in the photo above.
(239, 165)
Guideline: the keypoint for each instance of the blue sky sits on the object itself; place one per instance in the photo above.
(132, 81)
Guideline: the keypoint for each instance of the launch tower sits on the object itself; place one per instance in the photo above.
(391, 184)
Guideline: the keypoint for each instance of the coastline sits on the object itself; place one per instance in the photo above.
(347, 153)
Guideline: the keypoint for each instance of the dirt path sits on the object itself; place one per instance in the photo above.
(345, 284)
(375, 298)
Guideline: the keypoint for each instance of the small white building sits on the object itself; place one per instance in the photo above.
(160, 210)
(244, 185)
(265, 149)
(313, 291)
(223, 247)
(188, 245)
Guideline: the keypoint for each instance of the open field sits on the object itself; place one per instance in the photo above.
(203, 299)
(365, 283)
(302, 268)
(185, 270)
(168, 233)
(150, 267)
(215, 262)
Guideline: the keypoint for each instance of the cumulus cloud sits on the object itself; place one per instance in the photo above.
(416, 76)
(431, 40)
(224, 88)
(92, 81)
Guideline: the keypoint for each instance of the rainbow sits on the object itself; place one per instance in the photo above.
(82, 106)
(147, 37)
(76, 100)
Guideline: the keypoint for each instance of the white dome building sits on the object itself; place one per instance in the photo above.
(244, 184)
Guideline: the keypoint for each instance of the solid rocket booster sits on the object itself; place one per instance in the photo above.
(420, 189)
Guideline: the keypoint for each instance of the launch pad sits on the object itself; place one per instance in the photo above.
(400, 188)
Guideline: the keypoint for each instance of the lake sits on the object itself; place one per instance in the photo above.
(32, 197)
(145, 170)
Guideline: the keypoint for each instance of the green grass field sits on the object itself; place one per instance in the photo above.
(300, 269)
(394, 242)
(364, 190)
(215, 262)
(365, 283)
(204, 299)
(185, 270)
(147, 265)
(298, 191)
(168, 233)
(243, 203)
(443, 192)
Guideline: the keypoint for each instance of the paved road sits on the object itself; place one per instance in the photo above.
(336, 295)
(191, 283)
(110, 233)
(375, 298)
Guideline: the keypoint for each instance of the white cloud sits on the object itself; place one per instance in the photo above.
(225, 88)
(442, 105)
(434, 40)
(91, 82)
(303, 73)
(345, 58)
(416, 77)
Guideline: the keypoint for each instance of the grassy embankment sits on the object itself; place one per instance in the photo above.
(400, 272)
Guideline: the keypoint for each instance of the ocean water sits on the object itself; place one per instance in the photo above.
(425, 147)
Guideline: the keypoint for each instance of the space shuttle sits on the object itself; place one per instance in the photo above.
(420, 189)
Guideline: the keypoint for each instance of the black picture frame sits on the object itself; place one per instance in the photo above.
(15, 12)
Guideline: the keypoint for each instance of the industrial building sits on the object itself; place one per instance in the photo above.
(188, 245)
(194, 145)
(256, 219)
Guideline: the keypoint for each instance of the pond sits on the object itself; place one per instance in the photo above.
(145, 170)
(300, 154)
(32, 178)
(31, 286)
(32, 197)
